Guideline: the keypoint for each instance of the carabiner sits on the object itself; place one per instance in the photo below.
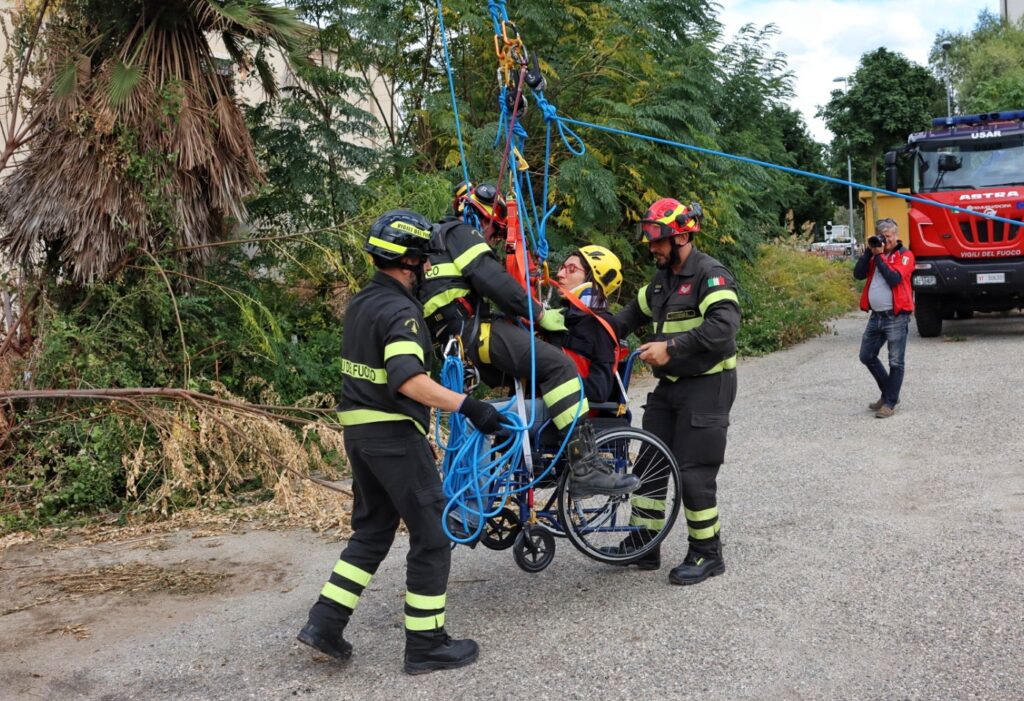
(505, 24)
(455, 341)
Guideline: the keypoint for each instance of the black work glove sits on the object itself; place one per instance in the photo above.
(484, 416)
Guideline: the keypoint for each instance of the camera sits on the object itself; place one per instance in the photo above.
(876, 242)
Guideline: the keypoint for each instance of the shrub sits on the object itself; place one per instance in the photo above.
(788, 296)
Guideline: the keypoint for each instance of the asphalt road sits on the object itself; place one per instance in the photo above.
(867, 559)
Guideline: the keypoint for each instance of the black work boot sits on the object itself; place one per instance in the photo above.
(331, 644)
(429, 652)
(698, 566)
(590, 474)
(633, 542)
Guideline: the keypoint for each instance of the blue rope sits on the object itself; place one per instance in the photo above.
(550, 113)
(478, 477)
(787, 169)
(451, 87)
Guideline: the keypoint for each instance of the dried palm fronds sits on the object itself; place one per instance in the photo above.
(142, 143)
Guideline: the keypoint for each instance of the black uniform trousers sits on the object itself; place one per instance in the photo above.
(691, 416)
(394, 477)
(502, 353)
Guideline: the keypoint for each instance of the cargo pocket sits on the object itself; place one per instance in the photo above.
(431, 501)
(705, 442)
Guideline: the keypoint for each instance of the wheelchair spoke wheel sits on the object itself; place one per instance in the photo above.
(623, 528)
(501, 530)
(534, 549)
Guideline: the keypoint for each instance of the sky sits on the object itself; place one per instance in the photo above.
(824, 39)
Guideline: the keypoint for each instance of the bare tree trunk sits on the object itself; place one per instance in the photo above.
(8, 312)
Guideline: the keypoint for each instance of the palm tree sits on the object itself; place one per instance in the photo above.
(142, 144)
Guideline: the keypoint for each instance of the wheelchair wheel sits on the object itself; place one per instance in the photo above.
(501, 530)
(534, 549)
(621, 529)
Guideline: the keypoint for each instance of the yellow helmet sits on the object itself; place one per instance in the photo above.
(605, 268)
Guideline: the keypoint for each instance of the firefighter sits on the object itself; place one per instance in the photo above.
(692, 307)
(591, 274)
(385, 408)
(464, 274)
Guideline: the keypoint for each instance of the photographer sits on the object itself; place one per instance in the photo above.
(886, 265)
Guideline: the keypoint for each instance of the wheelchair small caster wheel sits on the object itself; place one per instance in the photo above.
(501, 530)
(534, 549)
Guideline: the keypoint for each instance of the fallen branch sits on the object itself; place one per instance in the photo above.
(132, 397)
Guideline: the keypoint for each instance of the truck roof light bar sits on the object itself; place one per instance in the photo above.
(982, 118)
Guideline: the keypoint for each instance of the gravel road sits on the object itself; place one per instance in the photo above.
(867, 559)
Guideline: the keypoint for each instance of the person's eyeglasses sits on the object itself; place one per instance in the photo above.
(571, 268)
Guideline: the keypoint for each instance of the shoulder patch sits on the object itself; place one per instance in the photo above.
(412, 326)
(717, 281)
(906, 260)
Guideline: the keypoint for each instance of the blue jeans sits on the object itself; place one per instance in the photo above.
(882, 328)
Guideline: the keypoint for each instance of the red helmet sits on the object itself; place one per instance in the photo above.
(668, 217)
(485, 202)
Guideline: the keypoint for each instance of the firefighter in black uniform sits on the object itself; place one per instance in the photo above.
(385, 409)
(592, 274)
(694, 312)
(464, 273)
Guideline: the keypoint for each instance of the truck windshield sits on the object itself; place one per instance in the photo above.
(967, 164)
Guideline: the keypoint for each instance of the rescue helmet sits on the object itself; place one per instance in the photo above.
(485, 202)
(605, 268)
(398, 233)
(668, 217)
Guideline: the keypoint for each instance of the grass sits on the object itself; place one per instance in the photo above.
(788, 296)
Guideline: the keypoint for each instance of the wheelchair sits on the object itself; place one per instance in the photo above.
(616, 530)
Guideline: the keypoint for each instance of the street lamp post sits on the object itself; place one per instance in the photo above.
(946, 45)
(849, 164)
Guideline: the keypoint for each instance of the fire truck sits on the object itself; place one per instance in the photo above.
(965, 263)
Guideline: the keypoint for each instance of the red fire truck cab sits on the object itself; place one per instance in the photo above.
(965, 263)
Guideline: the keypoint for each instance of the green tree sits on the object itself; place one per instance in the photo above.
(648, 66)
(985, 66)
(803, 200)
(317, 141)
(889, 97)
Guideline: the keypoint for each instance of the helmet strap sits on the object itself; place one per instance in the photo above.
(674, 258)
(415, 268)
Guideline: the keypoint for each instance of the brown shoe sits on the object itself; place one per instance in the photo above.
(875, 406)
(885, 412)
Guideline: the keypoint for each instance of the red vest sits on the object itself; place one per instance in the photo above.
(902, 261)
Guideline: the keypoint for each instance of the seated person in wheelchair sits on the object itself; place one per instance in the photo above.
(590, 274)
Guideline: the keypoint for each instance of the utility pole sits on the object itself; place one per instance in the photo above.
(849, 163)
(945, 69)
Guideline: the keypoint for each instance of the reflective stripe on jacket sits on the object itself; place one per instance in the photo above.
(385, 343)
(466, 268)
(697, 311)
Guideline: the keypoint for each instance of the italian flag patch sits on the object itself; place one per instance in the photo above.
(716, 281)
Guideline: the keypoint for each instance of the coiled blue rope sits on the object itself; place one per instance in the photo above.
(479, 478)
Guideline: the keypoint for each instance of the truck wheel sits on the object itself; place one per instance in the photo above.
(928, 312)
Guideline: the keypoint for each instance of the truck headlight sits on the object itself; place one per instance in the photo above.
(924, 280)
